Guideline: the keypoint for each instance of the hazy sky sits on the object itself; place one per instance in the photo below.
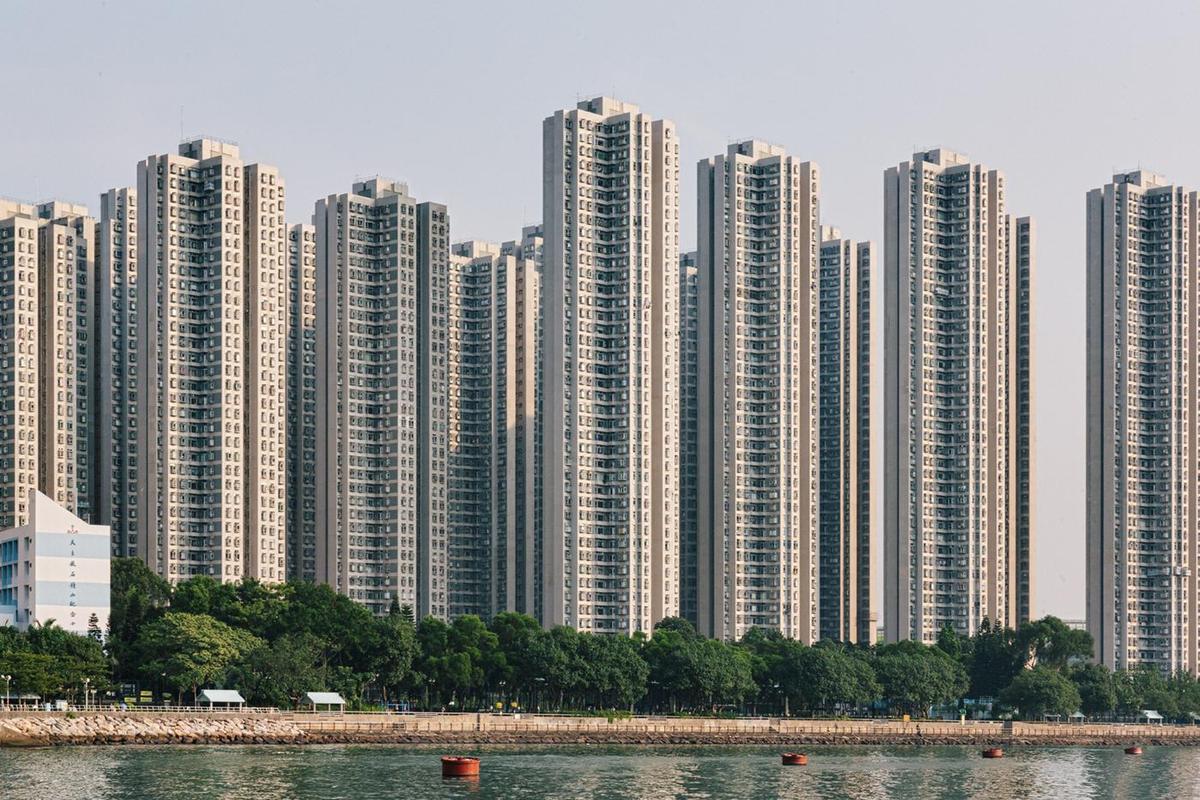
(450, 97)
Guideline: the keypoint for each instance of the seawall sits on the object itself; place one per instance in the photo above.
(181, 727)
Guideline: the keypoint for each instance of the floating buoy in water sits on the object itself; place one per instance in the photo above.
(795, 759)
(993, 752)
(460, 767)
(1133, 751)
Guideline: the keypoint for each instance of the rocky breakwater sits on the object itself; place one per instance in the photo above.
(84, 729)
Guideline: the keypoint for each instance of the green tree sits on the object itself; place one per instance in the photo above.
(674, 663)
(455, 658)
(828, 675)
(617, 670)
(914, 677)
(190, 650)
(478, 650)
(1152, 691)
(1186, 689)
(775, 666)
(280, 672)
(346, 629)
(559, 659)
(248, 605)
(995, 659)
(396, 647)
(725, 674)
(76, 658)
(1097, 694)
(1040, 691)
(138, 596)
(1128, 692)
(518, 639)
(1050, 643)
(32, 673)
(952, 644)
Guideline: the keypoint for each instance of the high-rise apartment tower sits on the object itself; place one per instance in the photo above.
(850, 437)
(211, 301)
(1143, 411)
(381, 339)
(954, 501)
(757, 366)
(611, 350)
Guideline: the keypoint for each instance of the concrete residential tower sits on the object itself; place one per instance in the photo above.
(493, 412)
(302, 403)
(689, 442)
(611, 350)
(526, 372)
(66, 372)
(1143, 410)
(757, 410)
(955, 386)
(381, 328)
(47, 381)
(850, 437)
(211, 349)
(19, 348)
(116, 363)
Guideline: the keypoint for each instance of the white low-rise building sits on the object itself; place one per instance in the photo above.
(55, 567)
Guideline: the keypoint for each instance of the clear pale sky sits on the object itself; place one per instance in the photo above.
(450, 96)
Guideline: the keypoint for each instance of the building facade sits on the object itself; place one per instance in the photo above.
(492, 356)
(1024, 243)
(211, 300)
(849, 444)
(382, 329)
(758, 458)
(48, 380)
(66, 374)
(611, 349)
(302, 403)
(952, 399)
(527, 578)
(1143, 408)
(689, 443)
(19, 347)
(116, 364)
(55, 567)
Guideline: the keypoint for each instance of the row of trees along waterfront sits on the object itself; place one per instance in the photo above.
(274, 643)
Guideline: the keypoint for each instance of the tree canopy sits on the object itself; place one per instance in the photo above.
(276, 642)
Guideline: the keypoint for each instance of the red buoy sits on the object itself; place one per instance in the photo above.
(993, 752)
(460, 767)
(795, 759)
(1133, 751)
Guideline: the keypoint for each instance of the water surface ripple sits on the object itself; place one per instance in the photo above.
(361, 772)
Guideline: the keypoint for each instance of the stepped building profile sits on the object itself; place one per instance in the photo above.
(957, 428)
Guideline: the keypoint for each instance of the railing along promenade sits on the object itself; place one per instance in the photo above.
(748, 727)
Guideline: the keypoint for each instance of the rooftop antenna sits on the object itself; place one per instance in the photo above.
(182, 135)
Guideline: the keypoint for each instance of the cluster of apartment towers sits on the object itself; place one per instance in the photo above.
(589, 426)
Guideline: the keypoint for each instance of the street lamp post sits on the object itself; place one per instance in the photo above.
(86, 683)
(782, 691)
(7, 694)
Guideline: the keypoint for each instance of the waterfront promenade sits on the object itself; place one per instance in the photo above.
(187, 726)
